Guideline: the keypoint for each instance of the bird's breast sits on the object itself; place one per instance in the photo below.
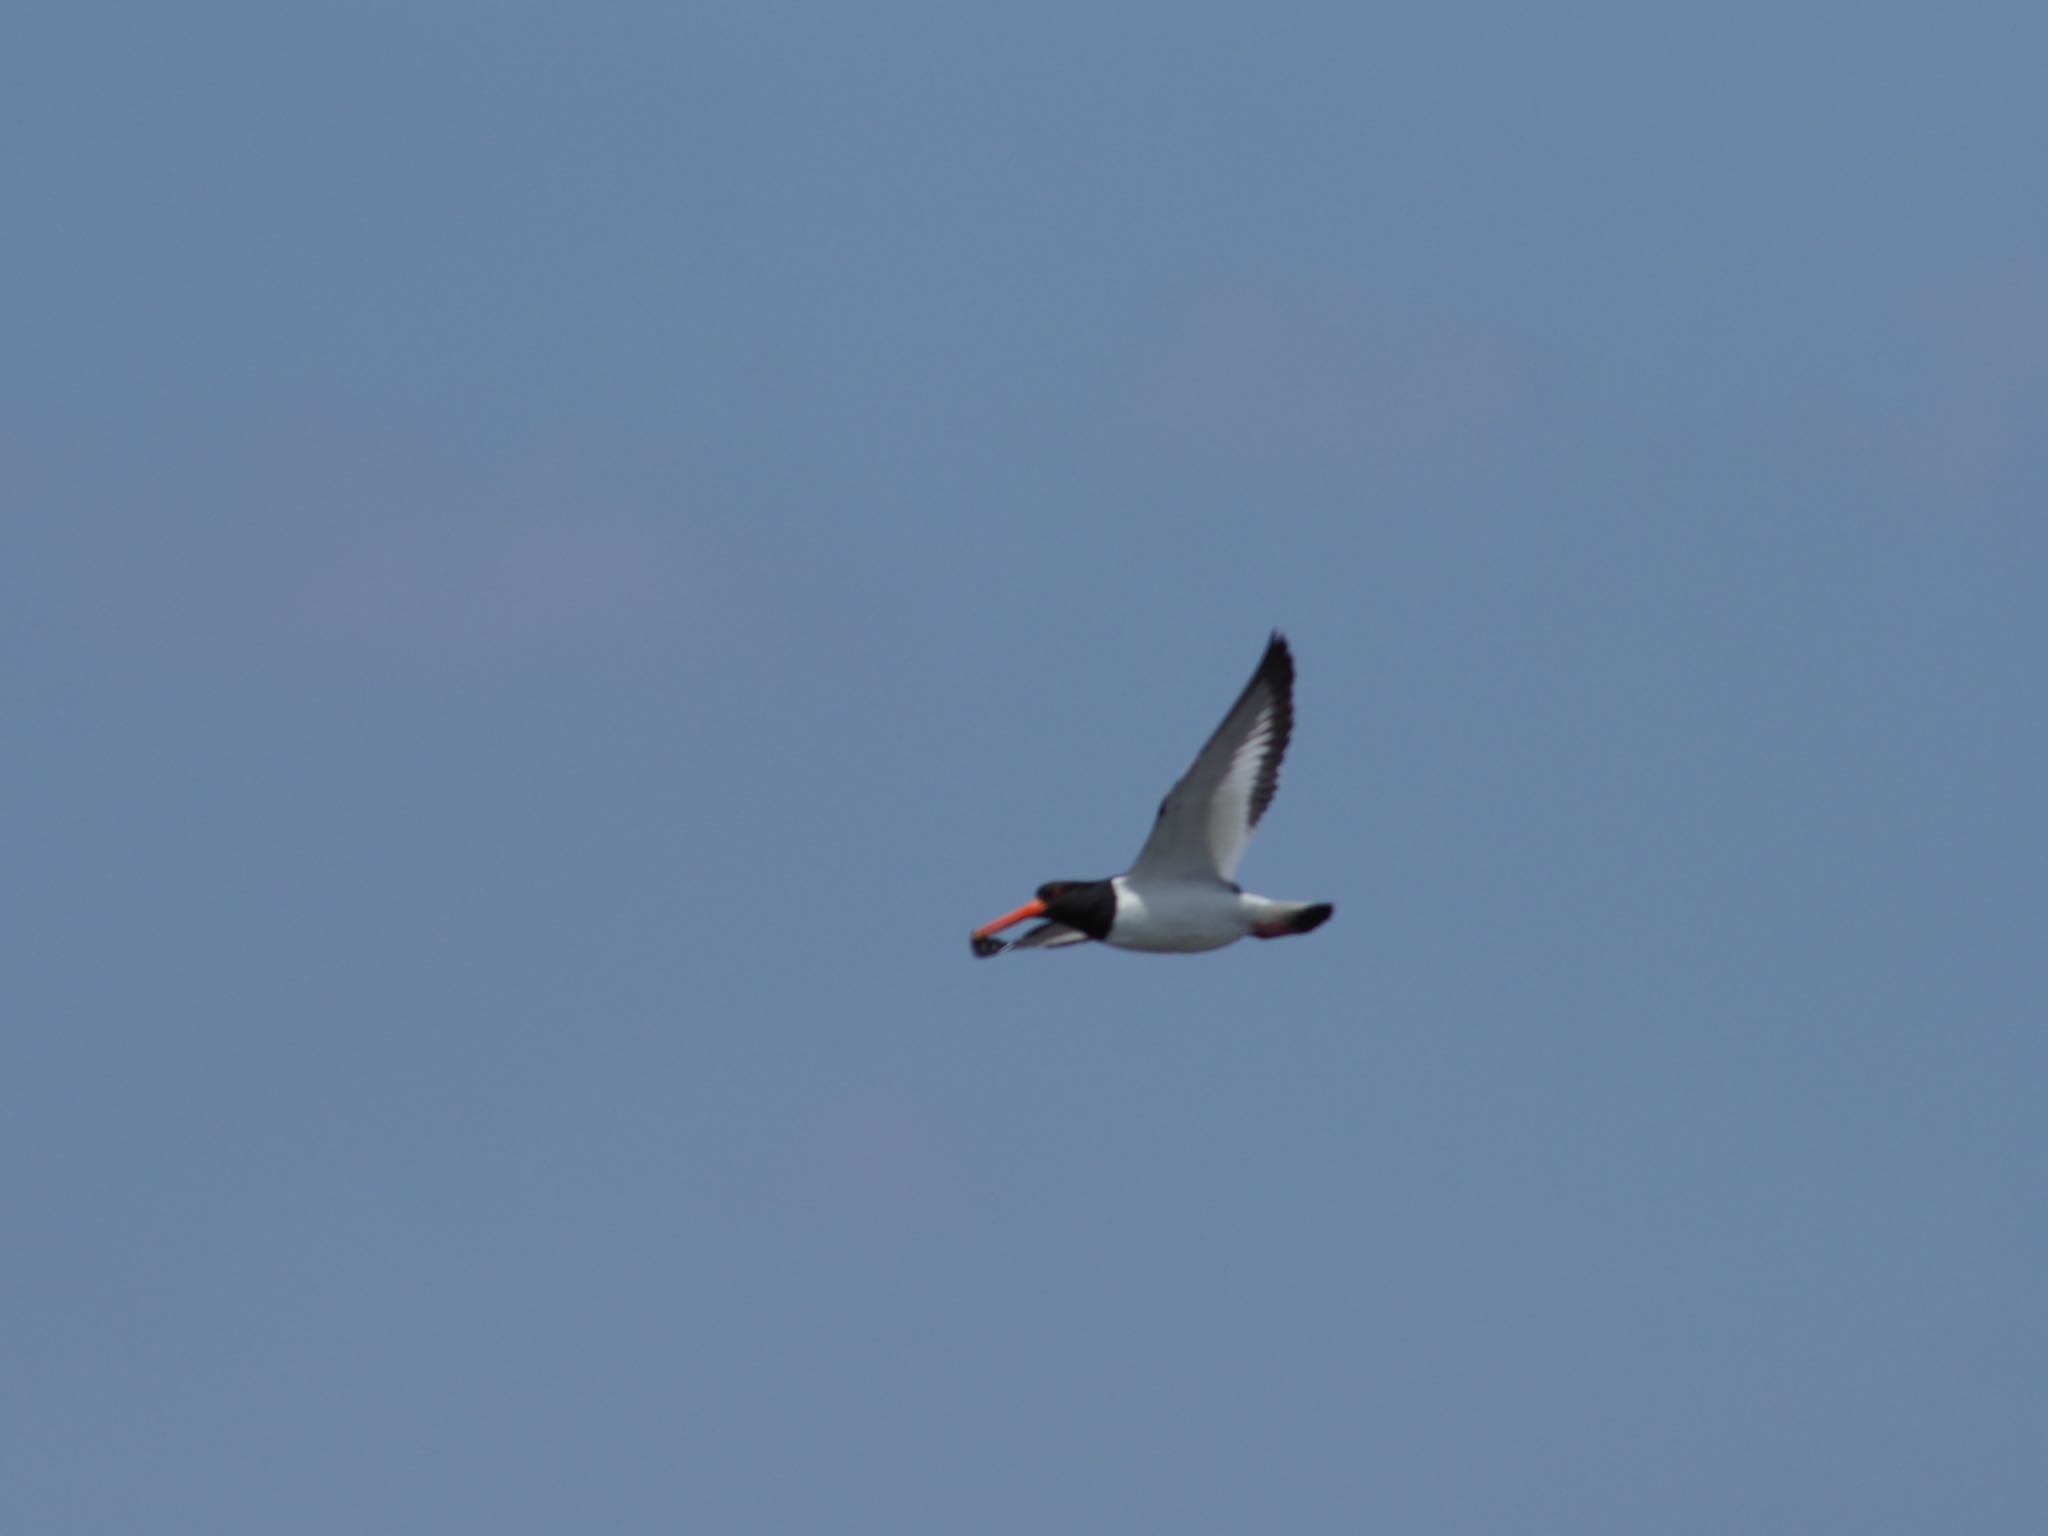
(1177, 916)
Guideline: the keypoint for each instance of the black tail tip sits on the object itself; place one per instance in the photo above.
(1312, 918)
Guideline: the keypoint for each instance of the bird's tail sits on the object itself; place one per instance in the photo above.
(1295, 917)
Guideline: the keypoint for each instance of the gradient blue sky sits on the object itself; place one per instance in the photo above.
(555, 559)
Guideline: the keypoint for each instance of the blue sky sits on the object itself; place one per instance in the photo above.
(557, 559)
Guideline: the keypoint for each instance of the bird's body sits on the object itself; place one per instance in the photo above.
(1182, 896)
(1171, 916)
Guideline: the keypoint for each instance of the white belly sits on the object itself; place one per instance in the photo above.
(1178, 917)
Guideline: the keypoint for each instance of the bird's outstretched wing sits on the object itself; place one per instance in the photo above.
(1206, 821)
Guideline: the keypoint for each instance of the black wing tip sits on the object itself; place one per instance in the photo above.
(1276, 673)
(1277, 665)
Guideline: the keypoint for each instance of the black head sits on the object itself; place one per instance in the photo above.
(1086, 905)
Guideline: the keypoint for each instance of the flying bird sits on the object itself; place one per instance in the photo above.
(1182, 894)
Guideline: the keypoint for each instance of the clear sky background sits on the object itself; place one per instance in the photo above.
(555, 559)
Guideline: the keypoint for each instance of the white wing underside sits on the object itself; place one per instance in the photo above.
(1051, 936)
(1206, 821)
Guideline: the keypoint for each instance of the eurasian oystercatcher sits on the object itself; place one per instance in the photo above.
(1182, 894)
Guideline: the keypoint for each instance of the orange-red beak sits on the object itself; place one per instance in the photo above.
(984, 945)
(1032, 908)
